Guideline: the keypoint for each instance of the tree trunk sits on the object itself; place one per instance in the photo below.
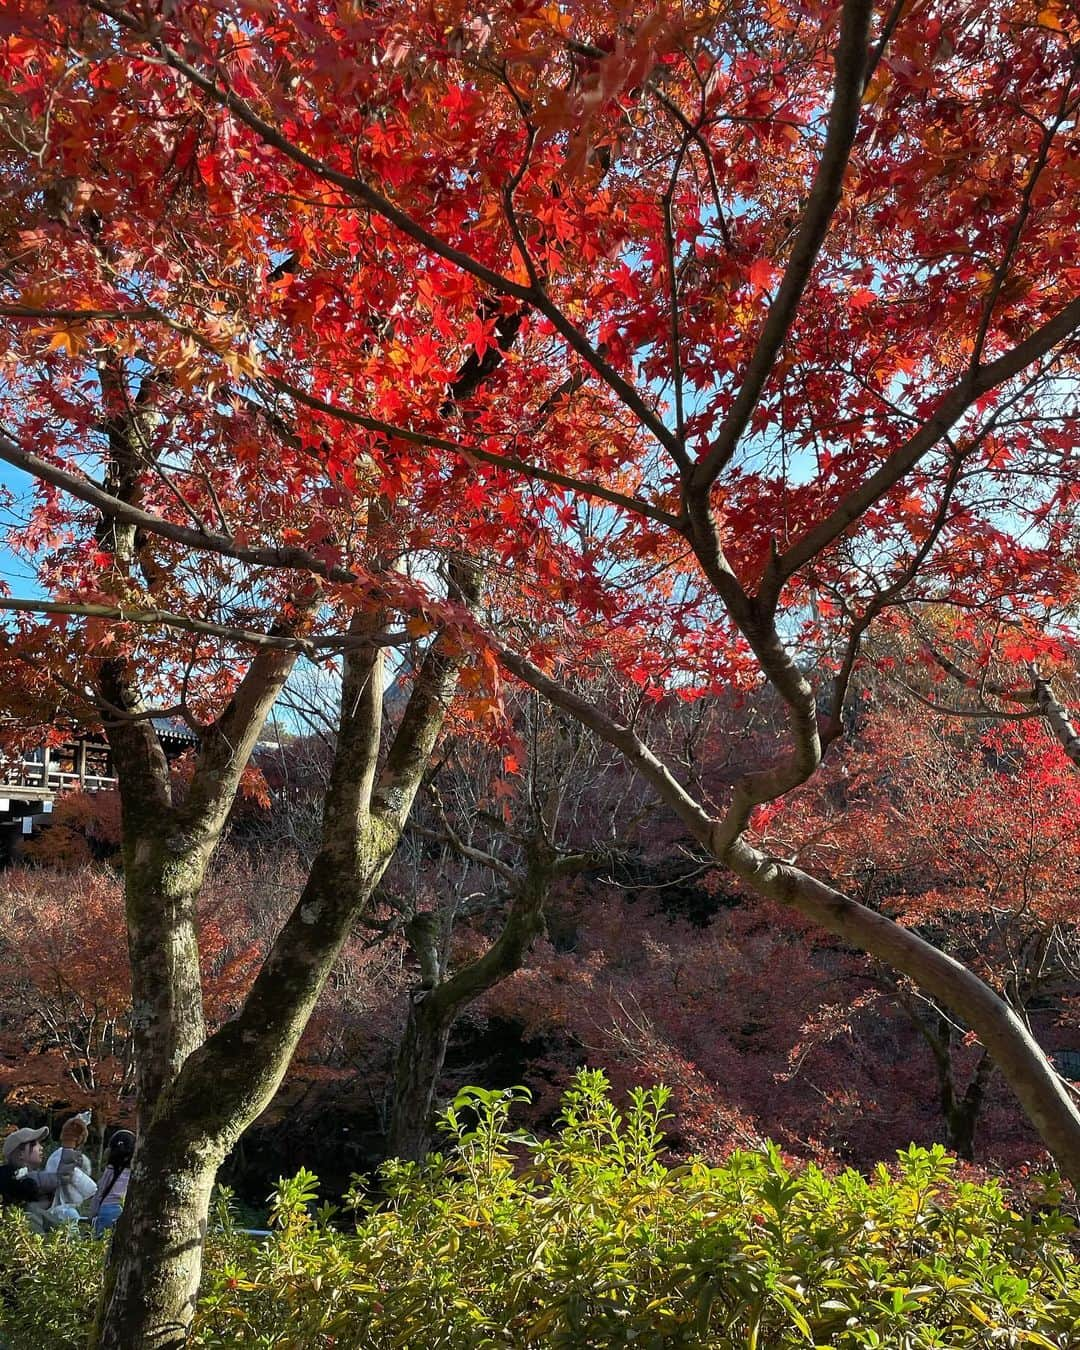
(161, 889)
(436, 1005)
(167, 849)
(229, 1080)
(152, 1278)
(958, 1113)
(962, 1114)
(164, 867)
(155, 1263)
(420, 1060)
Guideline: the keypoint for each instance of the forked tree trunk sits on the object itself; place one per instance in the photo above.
(223, 1085)
(437, 1004)
(155, 1264)
(167, 848)
(962, 1112)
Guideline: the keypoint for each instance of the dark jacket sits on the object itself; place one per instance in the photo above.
(15, 1190)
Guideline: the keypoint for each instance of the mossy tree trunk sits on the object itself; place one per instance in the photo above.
(167, 847)
(225, 1082)
(196, 1095)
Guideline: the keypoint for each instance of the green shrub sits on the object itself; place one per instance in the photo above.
(589, 1239)
(48, 1286)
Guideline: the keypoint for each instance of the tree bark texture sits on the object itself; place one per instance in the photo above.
(962, 1110)
(161, 889)
(227, 1081)
(420, 1058)
(152, 1277)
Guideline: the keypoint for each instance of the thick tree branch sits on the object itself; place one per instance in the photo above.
(225, 748)
(523, 922)
(851, 54)
(1015, 1051)
(1019, 1057)
(756, 622)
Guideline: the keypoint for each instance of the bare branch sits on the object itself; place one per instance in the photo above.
(447, 834)
(309, 646)
(880, 602)
(950, 409)
(622, 737)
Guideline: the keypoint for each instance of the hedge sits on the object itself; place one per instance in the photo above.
(590, 1238)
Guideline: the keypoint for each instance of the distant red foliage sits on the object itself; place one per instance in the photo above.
(84, 825)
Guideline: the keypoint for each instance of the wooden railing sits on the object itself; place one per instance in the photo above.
(29, 773)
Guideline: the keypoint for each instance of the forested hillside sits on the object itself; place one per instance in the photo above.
(638, 957)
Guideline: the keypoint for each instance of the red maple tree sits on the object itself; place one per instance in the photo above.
(690, 342)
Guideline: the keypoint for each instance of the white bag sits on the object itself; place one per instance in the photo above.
(70, 1194)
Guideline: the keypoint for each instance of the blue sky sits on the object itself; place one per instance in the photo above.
(13, 571)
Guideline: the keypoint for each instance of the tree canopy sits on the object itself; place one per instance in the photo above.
(619, 351)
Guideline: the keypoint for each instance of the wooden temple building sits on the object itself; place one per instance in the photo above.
(30, 784)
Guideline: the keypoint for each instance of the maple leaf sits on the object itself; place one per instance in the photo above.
(761, 274)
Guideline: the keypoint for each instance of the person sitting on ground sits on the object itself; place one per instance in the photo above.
(112, 1188)
(23, 1180)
